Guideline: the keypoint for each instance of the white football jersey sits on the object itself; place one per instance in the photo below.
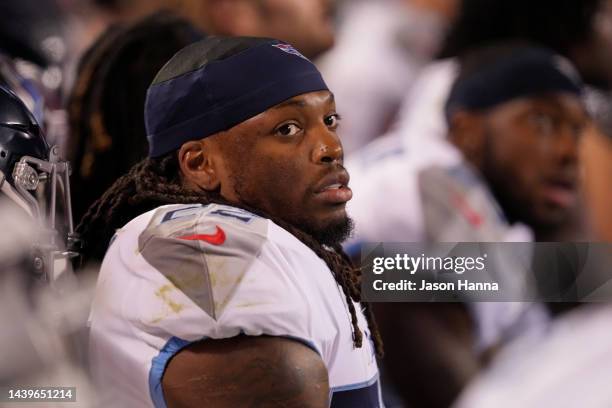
(186, 273)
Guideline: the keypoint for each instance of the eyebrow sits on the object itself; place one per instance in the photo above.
(301, 103)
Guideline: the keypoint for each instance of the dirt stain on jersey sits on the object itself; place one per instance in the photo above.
(163, 293)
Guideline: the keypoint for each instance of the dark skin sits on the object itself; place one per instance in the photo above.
(246, 372)
(286, 161)
(527, 151)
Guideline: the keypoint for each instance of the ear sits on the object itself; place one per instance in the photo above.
(196, 160)
(467, 132)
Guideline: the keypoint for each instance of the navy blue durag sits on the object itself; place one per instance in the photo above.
(223, 93)
(528, 71)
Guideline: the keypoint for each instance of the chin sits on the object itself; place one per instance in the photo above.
(556, 216)
(330, 232)
(551, 223)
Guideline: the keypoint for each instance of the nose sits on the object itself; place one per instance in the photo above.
(327, 148)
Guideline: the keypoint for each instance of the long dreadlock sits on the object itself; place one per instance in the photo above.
(155, 182)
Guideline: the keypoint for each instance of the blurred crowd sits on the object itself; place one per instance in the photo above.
(442, 142)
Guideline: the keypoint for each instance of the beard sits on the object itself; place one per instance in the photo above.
(330, 235)
(502, 185)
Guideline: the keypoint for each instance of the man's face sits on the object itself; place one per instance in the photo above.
(529, 156)
(306, 24)
(287, 161)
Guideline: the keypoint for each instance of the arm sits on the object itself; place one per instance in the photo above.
(246, 372)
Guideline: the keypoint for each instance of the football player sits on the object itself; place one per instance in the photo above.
(225, 284)
(510, 172)
(570, 367)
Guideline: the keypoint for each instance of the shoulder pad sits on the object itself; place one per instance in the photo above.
(204, 251)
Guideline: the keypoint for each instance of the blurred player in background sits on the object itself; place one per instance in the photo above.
(515, 118)
(228, 285)
(576, 29)
(106, 105)
(572, 365)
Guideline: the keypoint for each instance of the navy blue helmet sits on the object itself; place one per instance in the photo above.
(20, 134)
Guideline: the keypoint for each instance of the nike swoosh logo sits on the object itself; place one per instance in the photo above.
(218, 238)
(468, 212)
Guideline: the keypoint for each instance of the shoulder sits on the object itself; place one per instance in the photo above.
(170, 220)
(200, 235)
(219, 238)
(219, 257)
(208, 226)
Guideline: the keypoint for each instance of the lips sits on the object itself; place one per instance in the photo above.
(333, 189)
(561, 193)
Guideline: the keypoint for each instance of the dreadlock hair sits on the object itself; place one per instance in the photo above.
(556, 24)
(106, 105)
(156, 181)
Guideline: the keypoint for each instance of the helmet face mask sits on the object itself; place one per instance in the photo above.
(32, 176)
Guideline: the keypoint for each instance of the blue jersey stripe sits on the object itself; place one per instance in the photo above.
(158, 366)
(366, 397)
(360, 395)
